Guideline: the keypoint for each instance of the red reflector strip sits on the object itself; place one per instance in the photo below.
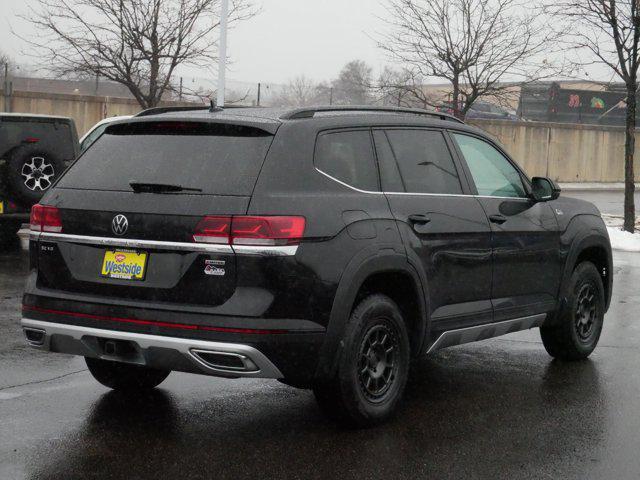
(154, 323)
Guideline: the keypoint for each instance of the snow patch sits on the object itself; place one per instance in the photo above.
(625, 241)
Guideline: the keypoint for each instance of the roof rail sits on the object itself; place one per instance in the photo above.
(213, 108)
(160, 110)
(311, 111)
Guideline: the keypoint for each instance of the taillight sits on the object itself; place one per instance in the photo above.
(45, 219)
(250, 230)
(267, 230)
(213, 230)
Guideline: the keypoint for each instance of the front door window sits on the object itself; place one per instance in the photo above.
(493, 174)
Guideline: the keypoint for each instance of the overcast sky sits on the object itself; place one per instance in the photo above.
(288, 38)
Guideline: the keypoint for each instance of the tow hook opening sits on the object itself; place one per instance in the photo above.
(121, 349)
(35, 336)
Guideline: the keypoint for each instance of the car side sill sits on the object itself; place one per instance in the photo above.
(460, 336)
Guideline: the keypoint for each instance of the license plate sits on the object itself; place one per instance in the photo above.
(124, 265)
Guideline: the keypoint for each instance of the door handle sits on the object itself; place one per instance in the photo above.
(498, 219)
(419, 219)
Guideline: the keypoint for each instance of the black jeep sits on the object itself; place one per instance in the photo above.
(34, 151)
(323, 247)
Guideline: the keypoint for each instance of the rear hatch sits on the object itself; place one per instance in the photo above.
(129, 209)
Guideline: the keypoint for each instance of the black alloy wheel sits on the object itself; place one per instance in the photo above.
(378, 367)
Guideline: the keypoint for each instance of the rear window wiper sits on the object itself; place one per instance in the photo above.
(143, 187)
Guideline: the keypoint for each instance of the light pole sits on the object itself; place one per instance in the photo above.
(222, 52)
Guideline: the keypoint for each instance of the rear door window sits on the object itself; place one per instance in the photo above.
(214, 158)
(422, 159)
(349, 158)
(55, 137)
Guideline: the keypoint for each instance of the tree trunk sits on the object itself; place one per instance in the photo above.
(629, 155)
(455, 100)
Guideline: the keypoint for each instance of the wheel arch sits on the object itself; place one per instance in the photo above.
(364, 275)
(593, 246)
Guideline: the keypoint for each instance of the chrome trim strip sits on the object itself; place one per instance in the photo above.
(266, 251)
(416, 194)
(260, 250)
(134, 243)
(345, 184)
(482, 332)
(266, 369)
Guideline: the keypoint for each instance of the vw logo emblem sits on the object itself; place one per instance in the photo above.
(119, 224)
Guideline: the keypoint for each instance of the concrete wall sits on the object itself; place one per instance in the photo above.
(564, 152)
(85, 110)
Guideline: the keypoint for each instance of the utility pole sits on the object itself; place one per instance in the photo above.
(259, 91)
(180, 94)
(331, 96)
(222, 52)
(8, 89)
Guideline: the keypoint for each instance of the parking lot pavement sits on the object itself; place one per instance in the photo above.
(496, 409)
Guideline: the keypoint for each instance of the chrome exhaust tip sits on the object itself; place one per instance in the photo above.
(35, 336)
(225, 361)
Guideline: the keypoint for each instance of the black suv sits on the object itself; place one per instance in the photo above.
(325, 247)
(34, 151)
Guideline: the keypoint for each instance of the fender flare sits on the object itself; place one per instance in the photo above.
(372, 260)
(584, 240)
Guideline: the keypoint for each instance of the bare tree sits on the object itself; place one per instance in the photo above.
(137, 43)
(6, 63)
(473, 44)
(353, 85)
(299, 92)
(404, 88)
(607, 32)
(204, 95)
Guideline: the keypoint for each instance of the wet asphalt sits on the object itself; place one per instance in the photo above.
(496, 409)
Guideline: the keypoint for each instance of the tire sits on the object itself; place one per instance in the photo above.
(31, 172)
(370, 380)
(577, 334)
(124, 376)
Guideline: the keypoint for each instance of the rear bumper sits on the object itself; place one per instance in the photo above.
(14, 217)
(233, 360)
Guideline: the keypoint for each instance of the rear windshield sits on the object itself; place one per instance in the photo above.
(216, 159)
(52, 136)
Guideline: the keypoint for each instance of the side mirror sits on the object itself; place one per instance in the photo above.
(544, 189)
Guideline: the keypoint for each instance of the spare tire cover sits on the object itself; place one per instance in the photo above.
(31, 172)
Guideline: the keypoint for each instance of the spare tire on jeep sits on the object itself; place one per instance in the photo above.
(32, 170)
